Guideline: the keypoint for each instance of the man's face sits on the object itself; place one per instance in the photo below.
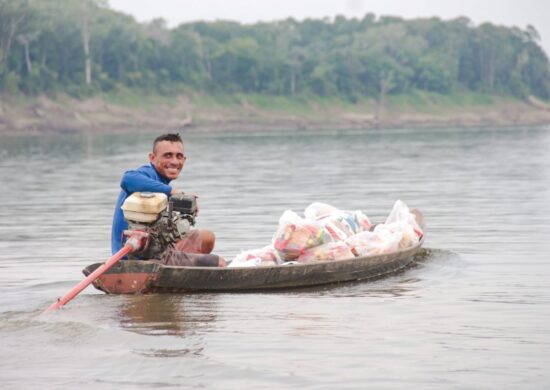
(168, 159)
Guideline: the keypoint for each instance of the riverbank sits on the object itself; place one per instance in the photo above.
(131, 112)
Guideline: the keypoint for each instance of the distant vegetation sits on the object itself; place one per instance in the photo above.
(82, 48)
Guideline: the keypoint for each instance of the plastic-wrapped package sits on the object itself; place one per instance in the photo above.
(400, 213)
(256, 257)
(381, 240)
(408, 235)
(328, 233)
(340, 224)
(327, 252)
(400, 231)
(295, 234)
(354, 221)
(318, 210)
(363, 222)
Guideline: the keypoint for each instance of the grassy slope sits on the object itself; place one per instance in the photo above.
(425, 102)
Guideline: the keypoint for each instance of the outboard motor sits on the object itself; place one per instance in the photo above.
(165, 221)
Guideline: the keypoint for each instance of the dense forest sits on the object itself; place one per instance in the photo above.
(82, 48)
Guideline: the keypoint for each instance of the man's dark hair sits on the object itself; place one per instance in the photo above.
(171, 137)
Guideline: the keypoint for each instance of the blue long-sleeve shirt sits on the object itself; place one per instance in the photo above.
(143, 179)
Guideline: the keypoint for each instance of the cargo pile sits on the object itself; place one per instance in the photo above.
(326, 233)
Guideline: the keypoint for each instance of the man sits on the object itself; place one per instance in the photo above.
(165, 164)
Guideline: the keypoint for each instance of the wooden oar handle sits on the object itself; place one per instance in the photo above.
(133, 243)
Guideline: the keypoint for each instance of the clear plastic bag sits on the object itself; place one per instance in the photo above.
(363, 222)
(318, 210)
(400, 213)
(400, 231)
(354, 221)
(340, 224)
(408, 234)
(256, 257)
(295, 234)
(327, 252)
(381, 240)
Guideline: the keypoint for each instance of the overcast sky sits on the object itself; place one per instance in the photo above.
(518, 13)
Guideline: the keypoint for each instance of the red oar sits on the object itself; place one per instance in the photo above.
(133, 243)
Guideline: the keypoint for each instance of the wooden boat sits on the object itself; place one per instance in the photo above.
(141, 277)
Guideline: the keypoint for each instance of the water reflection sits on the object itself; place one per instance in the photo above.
(166, 314)
(169, 353)
(68, 146)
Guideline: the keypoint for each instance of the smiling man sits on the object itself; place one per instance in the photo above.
(165, 164)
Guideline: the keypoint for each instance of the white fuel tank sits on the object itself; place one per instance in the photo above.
(144, 207)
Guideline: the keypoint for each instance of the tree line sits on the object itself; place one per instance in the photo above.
(82, 47)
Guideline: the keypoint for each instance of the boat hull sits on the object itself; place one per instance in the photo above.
(141, 277)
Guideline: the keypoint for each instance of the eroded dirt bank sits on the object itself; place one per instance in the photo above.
(43, 114)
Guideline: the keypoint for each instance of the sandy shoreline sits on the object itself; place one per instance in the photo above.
(65, 115)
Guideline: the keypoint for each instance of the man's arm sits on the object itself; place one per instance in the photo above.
(135, 181)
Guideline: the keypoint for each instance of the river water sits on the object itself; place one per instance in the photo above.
(475, 314)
